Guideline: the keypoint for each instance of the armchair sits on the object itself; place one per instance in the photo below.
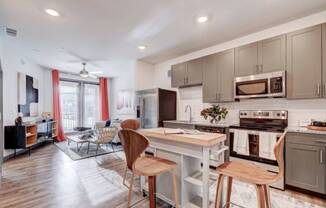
(103, 135)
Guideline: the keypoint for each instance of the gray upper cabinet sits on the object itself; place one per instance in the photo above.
(272, 54)
(304, 64)
(210, 79)
(194, 72)
(225, 66)
(261, 57)
(246, 60)
(324, 60)
(305, 162)
(218, 76)
(187, 74)
(178, 75)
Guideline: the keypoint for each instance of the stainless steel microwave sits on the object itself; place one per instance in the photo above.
(260, 85)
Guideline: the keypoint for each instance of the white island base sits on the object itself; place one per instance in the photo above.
(192, 154)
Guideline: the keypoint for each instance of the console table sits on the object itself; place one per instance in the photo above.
(27, 136)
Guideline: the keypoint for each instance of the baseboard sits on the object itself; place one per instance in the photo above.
(312, 193)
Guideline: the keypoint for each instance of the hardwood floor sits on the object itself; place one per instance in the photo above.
(49, 178)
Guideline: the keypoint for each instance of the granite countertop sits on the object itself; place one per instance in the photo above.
(304, 130)
(220, 124)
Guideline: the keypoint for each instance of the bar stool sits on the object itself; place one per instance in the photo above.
(129, 124)
(134, 145)
(253, 174)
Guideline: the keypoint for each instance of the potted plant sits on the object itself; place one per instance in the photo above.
(214, 113)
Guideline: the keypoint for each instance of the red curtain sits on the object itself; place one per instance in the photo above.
(104, 99)
(56, 104)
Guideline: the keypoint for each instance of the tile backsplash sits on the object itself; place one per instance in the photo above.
(300, 111)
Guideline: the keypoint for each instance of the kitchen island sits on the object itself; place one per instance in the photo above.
(191, 152)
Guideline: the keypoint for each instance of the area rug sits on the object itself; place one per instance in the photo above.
(81, 152)
(244, 196)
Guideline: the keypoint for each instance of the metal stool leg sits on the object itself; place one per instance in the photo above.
(124, 177)
(88, 147)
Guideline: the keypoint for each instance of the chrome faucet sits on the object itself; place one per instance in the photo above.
(186, 110)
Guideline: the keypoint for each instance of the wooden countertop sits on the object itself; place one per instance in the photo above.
(202, 139)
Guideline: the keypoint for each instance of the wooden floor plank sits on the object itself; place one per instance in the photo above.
(49, 178)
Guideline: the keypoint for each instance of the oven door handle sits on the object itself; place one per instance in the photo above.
(255, 133)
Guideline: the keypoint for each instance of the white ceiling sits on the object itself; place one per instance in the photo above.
(107, 32)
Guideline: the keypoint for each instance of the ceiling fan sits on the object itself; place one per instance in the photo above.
(84, 73)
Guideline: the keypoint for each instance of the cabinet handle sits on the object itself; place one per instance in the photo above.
(321, 142)
(257, 68)
(186, 80)
(325, 89)
(261, 68)
(321, 156)
(318, 89)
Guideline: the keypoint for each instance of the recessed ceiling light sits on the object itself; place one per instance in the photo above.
(202, 19)
(142, 47)
(52, 12)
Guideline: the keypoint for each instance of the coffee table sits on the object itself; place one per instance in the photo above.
(79, 138)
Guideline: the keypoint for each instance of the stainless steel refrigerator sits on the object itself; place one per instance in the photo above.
(1, 121)
(154, 106)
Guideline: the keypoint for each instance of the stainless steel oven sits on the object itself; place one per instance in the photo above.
(253, 140)
(260, 85)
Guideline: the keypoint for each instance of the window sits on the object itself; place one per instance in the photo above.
(79, 104)
(69, 92)
(91, 108)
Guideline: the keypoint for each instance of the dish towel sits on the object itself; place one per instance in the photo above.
(241, 142)
(267, 142)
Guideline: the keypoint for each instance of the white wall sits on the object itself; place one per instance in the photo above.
(47, 91)
(1, 41)
(299, 110)
(15, 61)
(144, 74)
(135, 75)
(1, 127)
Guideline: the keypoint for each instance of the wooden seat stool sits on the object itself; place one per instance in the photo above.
(253, 174)
(129, 124)
(134, 144)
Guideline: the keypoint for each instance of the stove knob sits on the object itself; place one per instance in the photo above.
(245, 114)
(278, 114)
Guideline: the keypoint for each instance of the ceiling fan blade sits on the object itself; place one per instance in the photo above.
(92, 76)
(96, 72)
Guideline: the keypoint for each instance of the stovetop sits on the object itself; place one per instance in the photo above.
(263, 120)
